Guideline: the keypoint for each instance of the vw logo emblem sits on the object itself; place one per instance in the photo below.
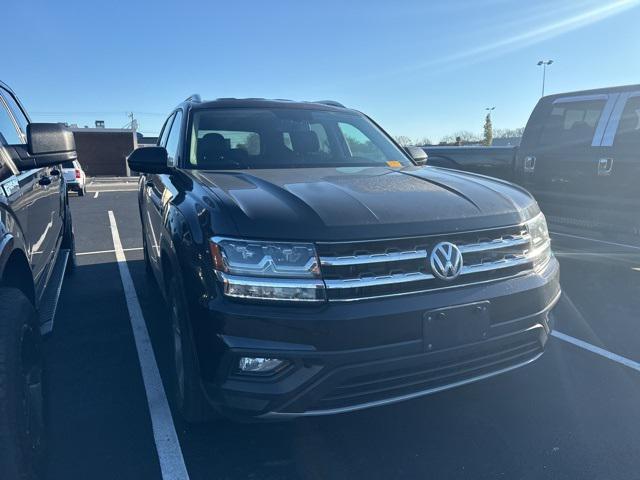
(446, 261)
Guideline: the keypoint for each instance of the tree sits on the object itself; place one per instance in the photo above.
(488, 130)
(465, 136)
(403, 140)
(508, 132)
(423, 141)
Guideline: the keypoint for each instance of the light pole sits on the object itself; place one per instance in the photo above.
(489, 110)
(544, 64)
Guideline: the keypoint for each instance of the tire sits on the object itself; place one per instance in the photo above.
(187, 387)
(69, 243)
(22, 422)
(81, 191)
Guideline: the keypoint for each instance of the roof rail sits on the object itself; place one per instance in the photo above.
(331, 103)
(193, 98)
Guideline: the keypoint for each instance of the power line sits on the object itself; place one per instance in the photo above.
(99, 113)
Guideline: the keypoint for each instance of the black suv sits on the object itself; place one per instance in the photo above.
(36, 245)
(313, 267)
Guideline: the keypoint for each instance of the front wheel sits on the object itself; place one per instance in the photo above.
(188, 394)
(21, 392)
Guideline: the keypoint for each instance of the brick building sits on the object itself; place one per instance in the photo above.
(103, 151)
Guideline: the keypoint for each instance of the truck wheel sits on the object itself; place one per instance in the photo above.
(69, 243)
(81, 192)
(21, 399)
(187, 386)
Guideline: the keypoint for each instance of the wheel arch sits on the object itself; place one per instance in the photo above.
(14, 268)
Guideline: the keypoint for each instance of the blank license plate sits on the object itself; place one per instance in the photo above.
(459, 325)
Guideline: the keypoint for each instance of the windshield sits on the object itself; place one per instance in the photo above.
(242, 138)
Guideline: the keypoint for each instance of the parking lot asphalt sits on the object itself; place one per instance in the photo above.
(571, 414)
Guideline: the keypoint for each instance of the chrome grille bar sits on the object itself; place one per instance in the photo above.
(498, 244)
(375, 281)
(374, 258)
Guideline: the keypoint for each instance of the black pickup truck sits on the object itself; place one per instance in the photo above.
(311, 267)
(36, 246)
(580, 158)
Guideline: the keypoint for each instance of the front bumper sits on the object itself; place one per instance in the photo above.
(345, 357)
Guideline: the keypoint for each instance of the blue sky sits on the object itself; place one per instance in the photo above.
(420, 68)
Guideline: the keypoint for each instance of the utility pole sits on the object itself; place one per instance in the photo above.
(544, 64)
(133, 124)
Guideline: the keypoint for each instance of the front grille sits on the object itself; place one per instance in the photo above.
(485, 360)
(364, 269)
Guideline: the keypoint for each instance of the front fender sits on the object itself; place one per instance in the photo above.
(7, 242)
(185, 245)
(11, 237)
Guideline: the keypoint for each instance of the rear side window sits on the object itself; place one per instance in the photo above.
(69, 164)
(8, 133)
(572, 123)
(628, 134)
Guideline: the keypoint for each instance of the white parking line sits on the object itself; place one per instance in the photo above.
(96, 195)
(635, 247)
(172, 464)
(108, 251)
(597, 350)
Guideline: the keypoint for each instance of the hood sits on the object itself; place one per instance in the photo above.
(363, 203)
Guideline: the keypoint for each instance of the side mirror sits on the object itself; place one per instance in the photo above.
(418, 155)
(47, 144)
(149, 160)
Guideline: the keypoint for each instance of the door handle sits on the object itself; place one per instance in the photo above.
(605, 165)
(529, 164)
(44, 181)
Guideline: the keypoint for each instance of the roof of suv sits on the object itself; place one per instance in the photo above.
(195, 103)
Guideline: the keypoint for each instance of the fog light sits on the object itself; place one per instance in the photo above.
(260, 365)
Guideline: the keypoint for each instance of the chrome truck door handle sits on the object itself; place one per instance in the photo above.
(529, 164)
(605, 165)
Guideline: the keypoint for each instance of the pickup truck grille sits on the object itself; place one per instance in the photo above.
(365, 269)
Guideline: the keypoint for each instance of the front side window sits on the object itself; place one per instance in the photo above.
(165, 131)
(8, 133)
(287, 138)
(18, 114)
(572, 123)
(173, 140)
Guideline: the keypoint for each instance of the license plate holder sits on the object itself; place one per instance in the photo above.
(457, 325)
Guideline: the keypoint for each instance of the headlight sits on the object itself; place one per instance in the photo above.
(267, 270)
(540, 250)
